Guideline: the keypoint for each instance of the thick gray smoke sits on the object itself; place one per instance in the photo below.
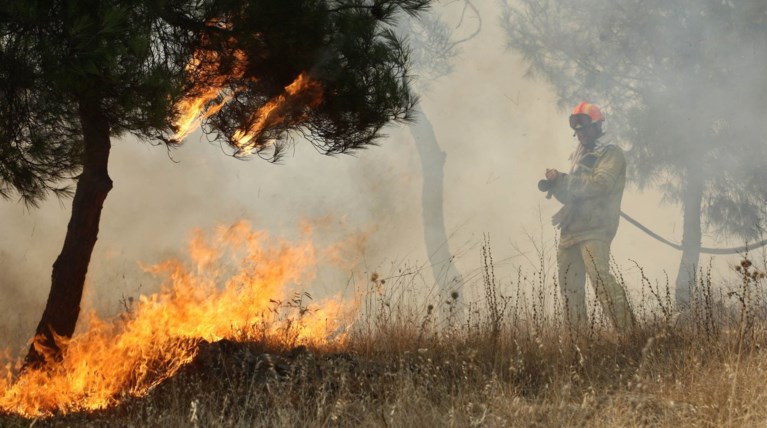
(498, 129)
(682, 82)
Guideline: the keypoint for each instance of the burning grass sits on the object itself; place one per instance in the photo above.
(509, 360)
(237, 286)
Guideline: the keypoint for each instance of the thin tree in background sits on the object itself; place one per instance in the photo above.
(434, 48)
(684, 85)
(253, 73)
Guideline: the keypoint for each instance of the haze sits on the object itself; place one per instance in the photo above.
(499, 131)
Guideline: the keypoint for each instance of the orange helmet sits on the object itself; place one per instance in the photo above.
(585, 114)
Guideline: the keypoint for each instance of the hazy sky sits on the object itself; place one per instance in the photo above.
(499, 131)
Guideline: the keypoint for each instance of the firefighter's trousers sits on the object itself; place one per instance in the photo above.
(591, 258)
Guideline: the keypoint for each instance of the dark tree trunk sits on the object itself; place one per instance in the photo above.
(691, 238)
(63, 306)
(446, 275)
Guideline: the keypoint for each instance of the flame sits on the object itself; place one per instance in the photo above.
(216, 87)
(210, 99)
(228, 292)
(303, 92)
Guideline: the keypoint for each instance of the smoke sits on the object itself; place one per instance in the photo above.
(499, 130)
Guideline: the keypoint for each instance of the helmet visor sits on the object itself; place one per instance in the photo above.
(579, 121)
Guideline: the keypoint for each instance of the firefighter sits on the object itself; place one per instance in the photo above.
(591, 195)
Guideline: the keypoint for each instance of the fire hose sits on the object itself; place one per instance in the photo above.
(546, 186)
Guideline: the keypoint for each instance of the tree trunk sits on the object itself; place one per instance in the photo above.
(68, 279)
(446, 275)
(691, 238)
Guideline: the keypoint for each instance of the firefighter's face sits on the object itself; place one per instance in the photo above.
(587, 135)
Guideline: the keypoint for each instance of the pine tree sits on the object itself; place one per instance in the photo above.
(255, 74)
(683, 84)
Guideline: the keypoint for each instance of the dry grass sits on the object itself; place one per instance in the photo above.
(510, 360)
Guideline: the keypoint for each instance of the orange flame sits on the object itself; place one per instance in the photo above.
(236, 278)
(216, 87)
(303, 92)
(192, 111)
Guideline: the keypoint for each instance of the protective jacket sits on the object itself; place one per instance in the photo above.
(591, 194)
